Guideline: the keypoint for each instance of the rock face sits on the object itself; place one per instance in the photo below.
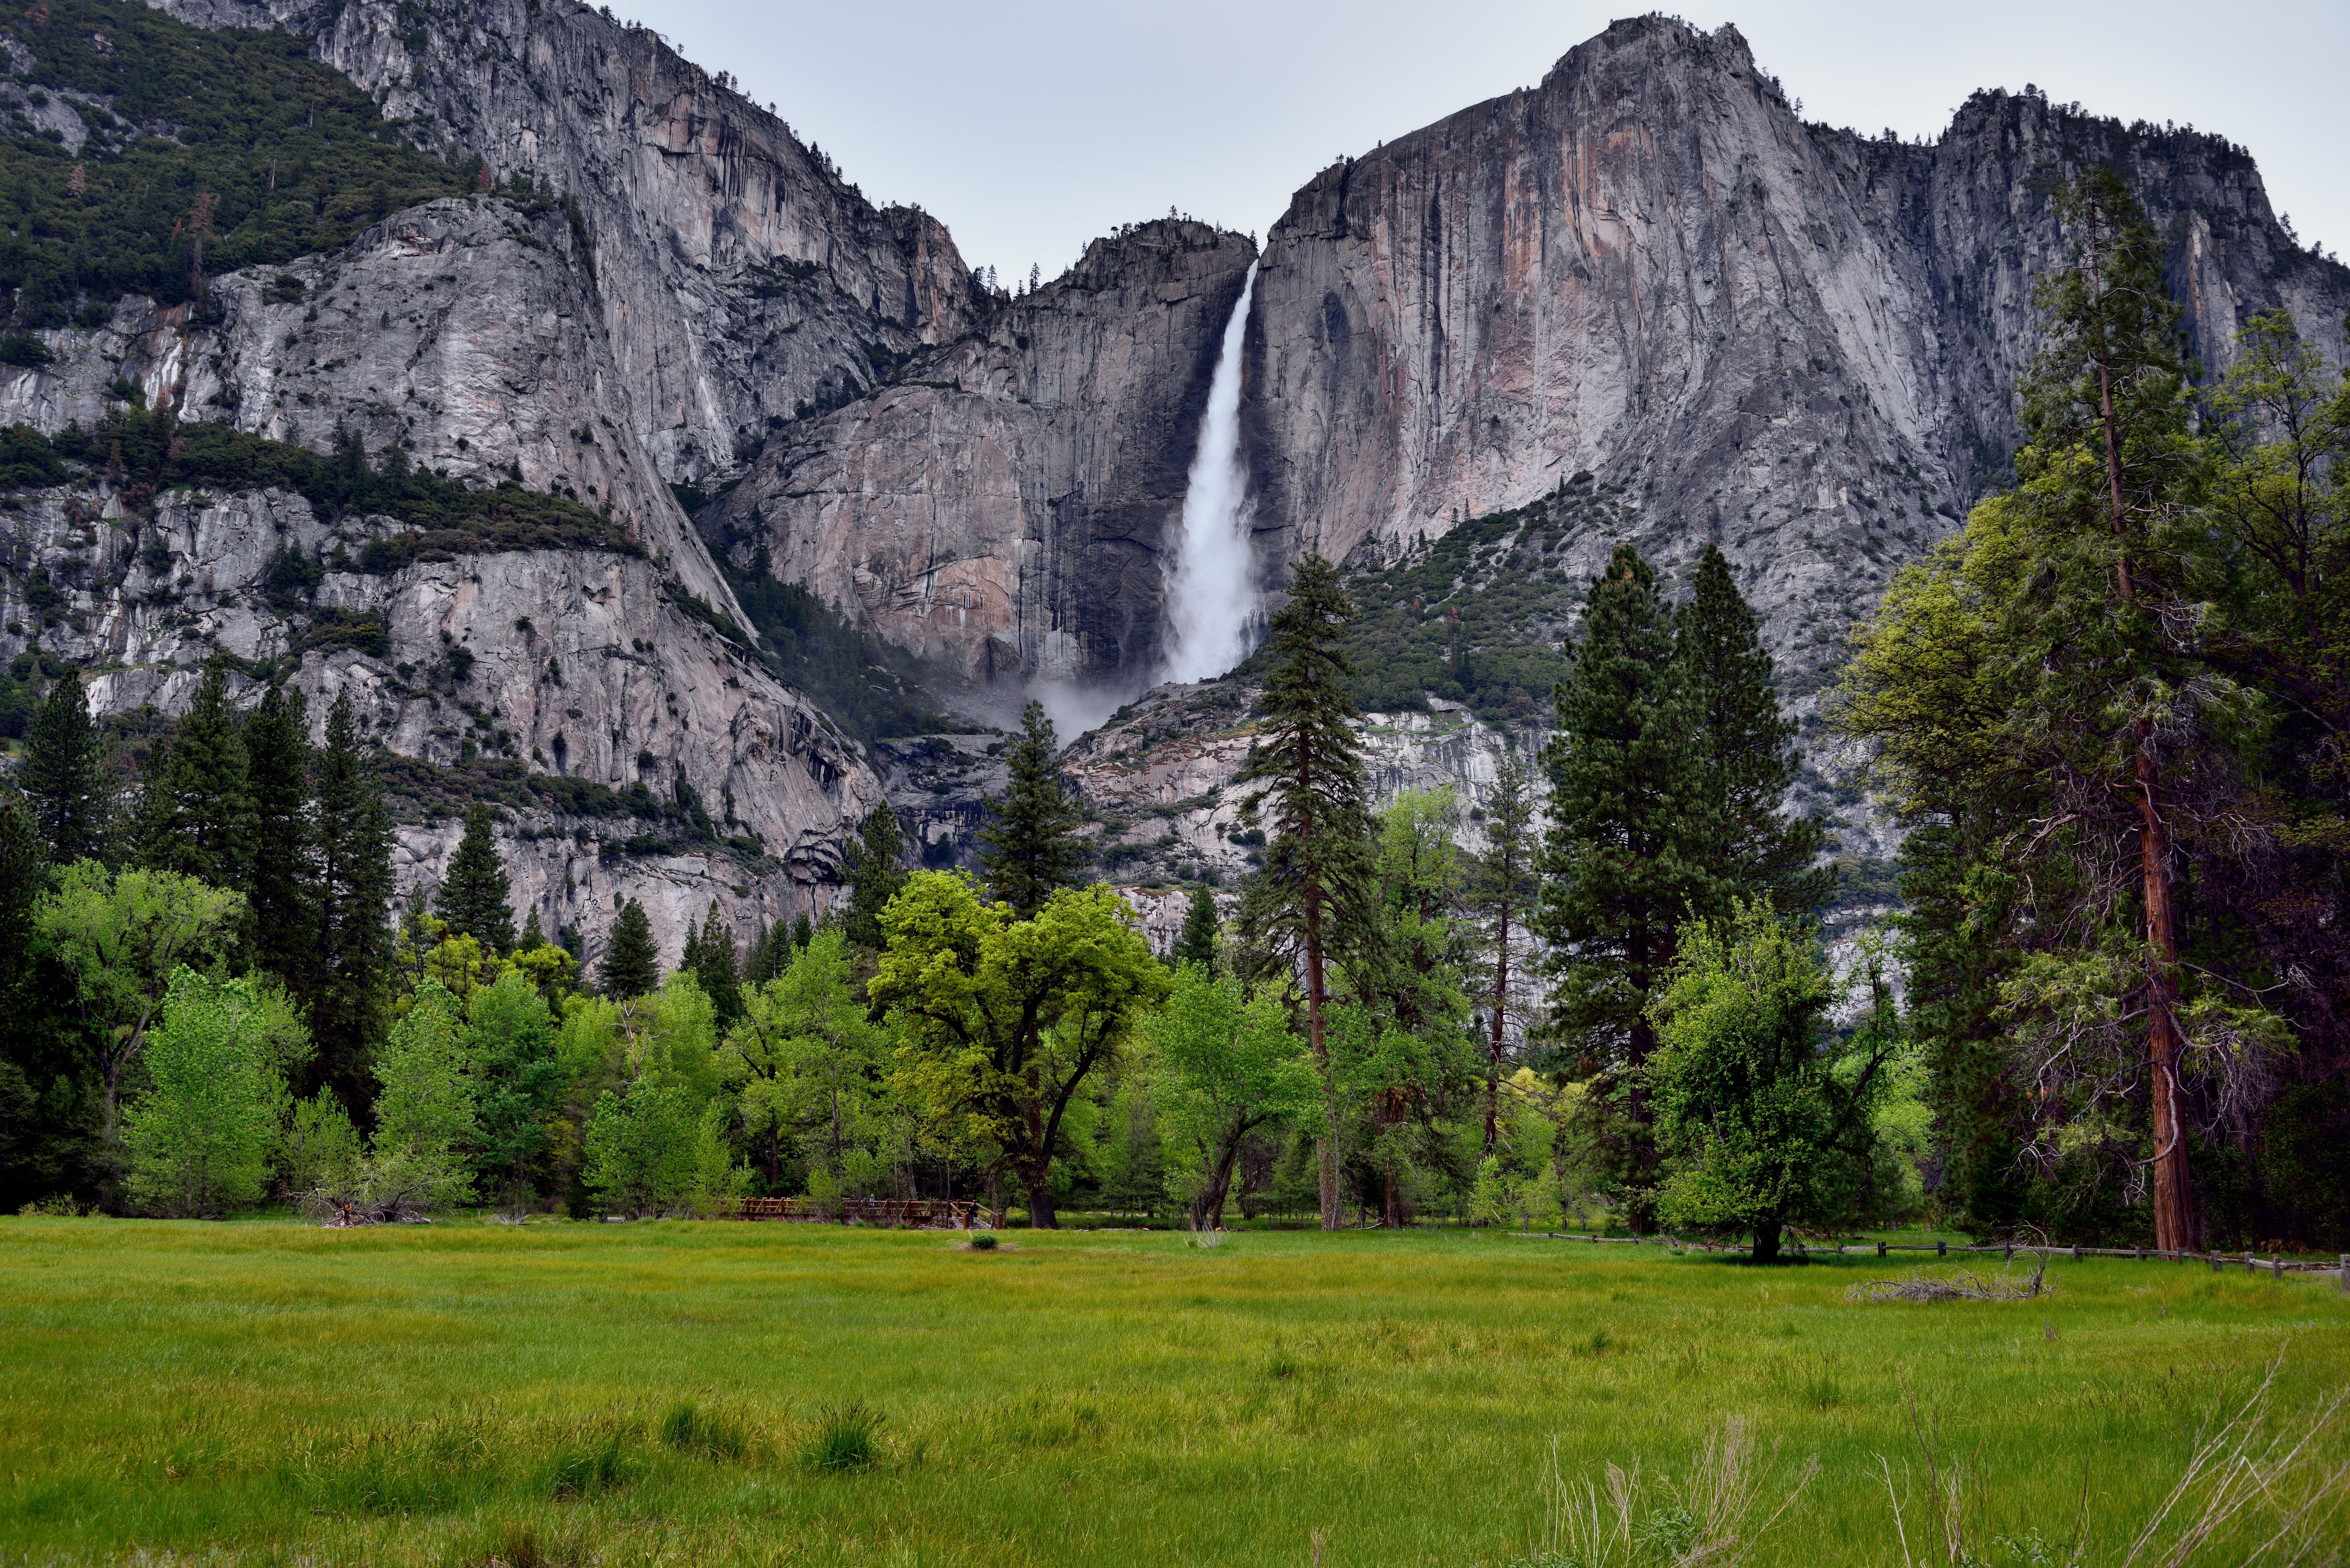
(1005, 508)
(738, 276)
(1793, 341)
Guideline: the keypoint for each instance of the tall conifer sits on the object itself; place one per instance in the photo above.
(1197, 942)
(714, 965)
(1316, 897)
(64, 775)
(631, 963)
(1029, 845)
(1626, 857)
(477, 898)
(874, 875)
(281, 888)
(1745, 749)
(351, 901)
(1502, 887)
(196, 816)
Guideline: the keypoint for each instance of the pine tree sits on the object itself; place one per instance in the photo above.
(64, 775)
(196, 818)
(1625, 857)
(351, 899)
(534, 935)
(632, 964)
(1197, 943)
(1316, 897)
(803, 933)
(714, 965)
(1502, 891)
(277, 753)
(477, 898)
(1029, 845)
(1745, 748)
(874, 875)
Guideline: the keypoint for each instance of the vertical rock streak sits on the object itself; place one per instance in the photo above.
(1212, 600)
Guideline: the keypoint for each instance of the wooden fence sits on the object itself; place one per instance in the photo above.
(920, 1213)
(2277, 1267)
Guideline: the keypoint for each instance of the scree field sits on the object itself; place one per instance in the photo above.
(675, 1393)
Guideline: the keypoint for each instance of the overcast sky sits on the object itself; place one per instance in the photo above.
(1031, 126)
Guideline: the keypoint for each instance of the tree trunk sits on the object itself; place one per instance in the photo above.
(2174, 1206)
(1766, 1241)
(1501, 1008)
(1040, 1201)
(1390, 1198)
(1326, 1148)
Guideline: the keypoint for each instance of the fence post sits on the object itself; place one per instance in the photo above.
(2346, 1273)
(2011, 1251)
(2141, 1254)
(2276, 1268)
(1880, 1249)
(2217, 1263)
(1941, 1249)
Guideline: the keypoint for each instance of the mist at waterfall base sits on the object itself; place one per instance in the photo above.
(1213, 615)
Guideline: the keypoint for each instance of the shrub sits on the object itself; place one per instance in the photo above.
(583, 1469)
(984, 1242)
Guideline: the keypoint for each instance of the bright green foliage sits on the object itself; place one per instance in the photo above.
(810, 1067)
(873, 874)
(277, 759)
(477, 898)
(1746, 755)
(1029, 845)
(123, 937)
(320, 1150)
(424, 1116)
(632, 964)
(1196, 943)
(64, 775)
(1316, 897)
(1758, 1125)
(651, 1151)
(298, 157)
(510, 1052)
(1224, 1065)
(351, 898)
(1003, 1019)
(200, 1138)
(196, 818)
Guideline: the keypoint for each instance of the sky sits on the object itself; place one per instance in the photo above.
(1032, 126)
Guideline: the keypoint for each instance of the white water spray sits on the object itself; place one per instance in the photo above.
(1212, 600)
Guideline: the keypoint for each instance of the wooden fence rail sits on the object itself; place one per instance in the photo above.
(921, 1213)
(2277, 1267)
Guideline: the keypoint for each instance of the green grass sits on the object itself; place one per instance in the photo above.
(695, 1393)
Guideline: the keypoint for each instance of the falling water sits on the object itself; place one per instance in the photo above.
(1212, 602)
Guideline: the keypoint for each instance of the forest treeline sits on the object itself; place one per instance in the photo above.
(2107, 711)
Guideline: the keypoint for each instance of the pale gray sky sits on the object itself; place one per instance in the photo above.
(1031, 126)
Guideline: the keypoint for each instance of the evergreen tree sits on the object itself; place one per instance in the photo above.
(64, 775)
(197, 815)
(1745, 749)
(874, 875)
(1029, 845)
(1316, 897)
(351, 901)
(277, 754)
(1502, 888)
(713, 963)
(477, 898)
(1197, 943)
(1625, 857)
(632, 964)
(534, 935)
(803, 933)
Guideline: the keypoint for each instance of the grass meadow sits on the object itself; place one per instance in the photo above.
(698, 1393)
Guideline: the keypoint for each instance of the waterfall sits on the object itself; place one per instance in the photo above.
(1211, 601)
